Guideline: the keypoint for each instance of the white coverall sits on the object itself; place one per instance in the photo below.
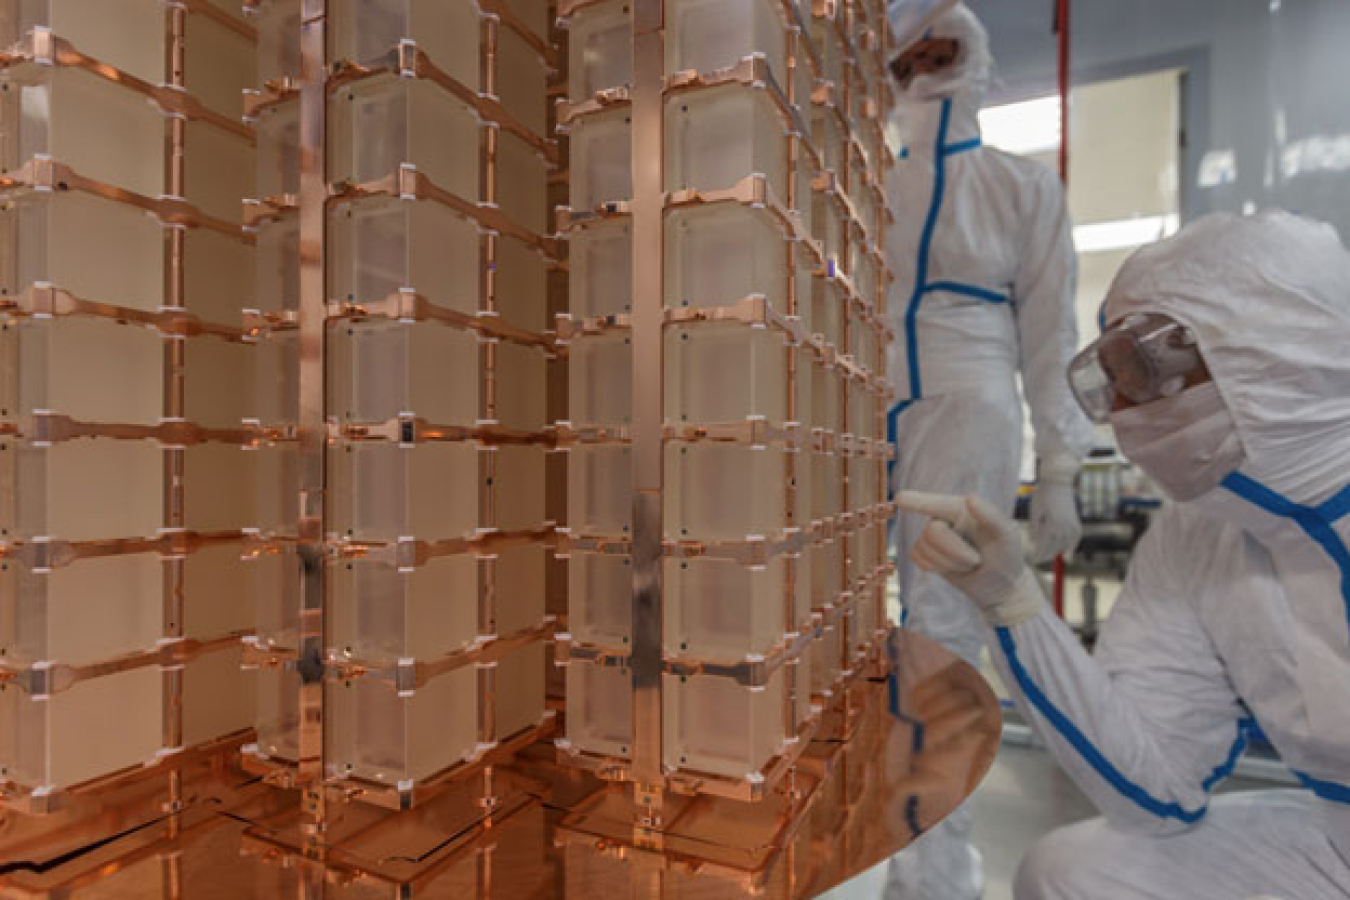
(1237, 608)
(984, 263)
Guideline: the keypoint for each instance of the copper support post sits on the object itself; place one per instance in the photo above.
(793, 455)
(648, 414)
(174, 410)
(487, 563)
(312, 432)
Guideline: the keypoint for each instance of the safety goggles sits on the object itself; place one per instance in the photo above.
(929, 55)
(1141, 358)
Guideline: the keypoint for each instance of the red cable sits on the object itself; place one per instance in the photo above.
(1062, 23)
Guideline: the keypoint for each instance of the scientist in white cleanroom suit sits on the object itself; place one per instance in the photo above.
(1225, 370)
(984, 266)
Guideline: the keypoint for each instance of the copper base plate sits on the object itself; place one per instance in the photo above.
(913, 747)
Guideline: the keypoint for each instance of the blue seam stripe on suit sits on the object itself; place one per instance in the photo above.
(1317, 522)
(922, 287)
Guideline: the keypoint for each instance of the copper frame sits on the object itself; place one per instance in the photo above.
(175, 323)
(320, 77)
(804, 770)
(48, 301)
(647, 434)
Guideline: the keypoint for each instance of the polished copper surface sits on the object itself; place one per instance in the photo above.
(903, 753)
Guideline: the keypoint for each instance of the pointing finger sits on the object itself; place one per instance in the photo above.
(936, 506)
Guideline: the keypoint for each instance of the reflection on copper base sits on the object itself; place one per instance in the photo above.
(884, 768)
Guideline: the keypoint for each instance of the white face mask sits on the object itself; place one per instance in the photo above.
(1187, 443)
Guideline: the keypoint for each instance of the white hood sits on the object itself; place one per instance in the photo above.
(1268, 298)
(916, 118)
(973, 71)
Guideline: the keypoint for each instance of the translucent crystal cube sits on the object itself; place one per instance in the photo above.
(97, 249)
(278, 714)
(519, 572)
(377, 735)
(100, 129)
(864, 482)
(219, 62)
(725, 372)
(219, 384)
(220, 485)
(600, 599)
(600, 709)
(522, 284)
(833, 232)
(716, 138)
(278, 129)
(519, 694)
(602, 159)
(827, 573)
(378, 124)
(865, 347)
(276, 378)
(278, 25)
(522, 184)
(830, 139)
(222, 173)
(827, 655)
(718, 255)
(274, 583)
(277, 273)
(84, 490)
(722, 611)
(600, 47)
(381, 615)
(521, 373)
(829, 309)
(132, 41)
(600, 490)
(706, 35)
(522, 81)
(218, 697)
(827, 399)
(218, 275)
(382, 491)
(119, 377)
(382, 245)
(863, 409)
(827, 494)
(276, 483)
(600, 380)
(449, 33)
(724, 492)
(716, 726)
(834, 55)
(89, 611)
(518, 488)
(866, 550)
(98, 726)
(600, 282)
(380, 369)
(221, 595)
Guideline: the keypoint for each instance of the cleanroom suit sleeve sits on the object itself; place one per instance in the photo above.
(1150, 724)
(1044, 291)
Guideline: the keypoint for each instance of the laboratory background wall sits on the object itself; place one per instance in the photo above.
(1266, 123)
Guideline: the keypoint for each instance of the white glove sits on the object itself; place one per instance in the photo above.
(979, 551)
(1055, 526)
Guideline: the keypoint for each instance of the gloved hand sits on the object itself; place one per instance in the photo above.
(979, 551)
(1055, 526)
